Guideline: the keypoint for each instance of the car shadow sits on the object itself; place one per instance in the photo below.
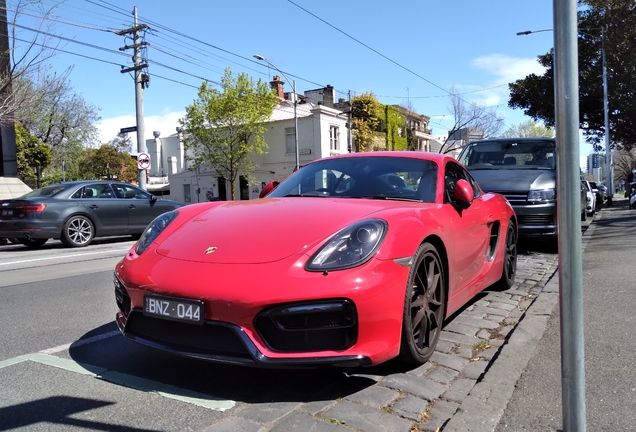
(56, 244)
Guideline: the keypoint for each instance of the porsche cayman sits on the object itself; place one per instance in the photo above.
(352, 260)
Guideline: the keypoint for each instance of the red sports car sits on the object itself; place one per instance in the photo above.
(352, 260)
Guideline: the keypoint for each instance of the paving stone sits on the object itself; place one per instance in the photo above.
(444, 346)
(484, 334)
(422, 370)
(489, 353)
(461, 329)
(505, 330)
(314, 407)
(503, 300)
(472, 314)
(456, 337)
(459, 389)
(496, 342)
(501, 305)
(234, 425)
(366, 418)
(492, 311)
(306, 423)
(450, 361)
(410, 407)
(374, 396)
(463, 350)
(438, 414)
(442, 374)
(422, 387)
(267, 412)
(479, 323)
(475, 369)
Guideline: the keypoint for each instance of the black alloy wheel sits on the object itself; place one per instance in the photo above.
(424, 306)
(509, 270)
(32, 243)
(78, 231)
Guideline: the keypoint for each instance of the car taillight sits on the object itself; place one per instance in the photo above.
(32, 208)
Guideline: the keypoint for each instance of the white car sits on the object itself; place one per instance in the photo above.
(590, 205)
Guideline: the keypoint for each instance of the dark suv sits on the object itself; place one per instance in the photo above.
(524, 171)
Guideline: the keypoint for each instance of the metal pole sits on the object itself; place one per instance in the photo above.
(349, 132)
(295, 126)
(608, 149)
(566, 92)
(139, 103)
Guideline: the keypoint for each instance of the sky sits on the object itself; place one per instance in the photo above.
(405, 52)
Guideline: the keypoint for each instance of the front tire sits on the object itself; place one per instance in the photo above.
(509, 270)
(78, 231)
(424, 306)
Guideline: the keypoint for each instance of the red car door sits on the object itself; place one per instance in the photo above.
(471, 233)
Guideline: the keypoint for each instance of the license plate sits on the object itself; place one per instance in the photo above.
(190, 311)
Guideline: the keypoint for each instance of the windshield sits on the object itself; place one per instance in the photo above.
(376, 177)
(509, 154)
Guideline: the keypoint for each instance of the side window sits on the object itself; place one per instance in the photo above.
(128, 192)
(77, 194)
(452, 174)
(98, 190)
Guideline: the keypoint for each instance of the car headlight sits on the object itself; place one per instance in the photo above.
(350, 247)
(542, 195)
(153, 230)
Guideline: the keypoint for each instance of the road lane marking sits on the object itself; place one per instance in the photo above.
(80, 342)
(126, 380)
(64, 256)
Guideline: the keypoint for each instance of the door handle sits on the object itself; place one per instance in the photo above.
(94, 207)
(132, 206)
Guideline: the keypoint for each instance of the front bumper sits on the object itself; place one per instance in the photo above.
(236, 296)
(536, 220)
(224, 343)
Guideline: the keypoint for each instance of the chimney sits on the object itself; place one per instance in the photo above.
(278, 85)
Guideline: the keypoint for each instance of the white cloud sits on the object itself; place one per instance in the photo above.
(166, 124)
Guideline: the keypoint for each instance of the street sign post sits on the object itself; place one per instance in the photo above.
(143, 161)
(128, 129)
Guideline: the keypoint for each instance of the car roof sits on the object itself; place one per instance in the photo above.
(437, 157)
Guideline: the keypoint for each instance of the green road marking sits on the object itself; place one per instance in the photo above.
(126, 380)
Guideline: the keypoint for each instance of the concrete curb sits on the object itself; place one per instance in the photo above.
(483, 408)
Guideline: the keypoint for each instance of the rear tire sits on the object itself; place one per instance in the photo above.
(424, 306)
(78, 231)
(32, 243)
(509, 270)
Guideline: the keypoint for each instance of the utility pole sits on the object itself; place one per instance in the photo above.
(141, 79)
(350, 119)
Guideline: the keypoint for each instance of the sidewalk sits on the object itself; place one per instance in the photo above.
(522, 389)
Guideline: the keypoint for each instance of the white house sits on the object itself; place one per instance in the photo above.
(322, 131)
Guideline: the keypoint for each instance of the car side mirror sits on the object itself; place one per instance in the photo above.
(153, 198)
(463, 193)
(269, 187)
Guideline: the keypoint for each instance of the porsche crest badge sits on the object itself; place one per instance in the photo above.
(210, 250)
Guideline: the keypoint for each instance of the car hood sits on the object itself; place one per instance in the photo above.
(514, 180)
(264, 230)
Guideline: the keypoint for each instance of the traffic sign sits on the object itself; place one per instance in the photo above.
(128, 129)
(143, 161)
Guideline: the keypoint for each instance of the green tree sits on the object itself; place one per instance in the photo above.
(224, 128)
(32, 156)
(396, 135)
(529, 129)
(535, 93)
(366, 113)
(110, 161)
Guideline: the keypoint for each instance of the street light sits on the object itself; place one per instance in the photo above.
(608, 150)
(261, 58)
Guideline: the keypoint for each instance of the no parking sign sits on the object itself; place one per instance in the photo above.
(143, 161)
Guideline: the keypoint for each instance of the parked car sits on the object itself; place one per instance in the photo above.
(591, 198)
(524, 171)
(599, 196)
(336, 266)
(583, 199)
(76, 212)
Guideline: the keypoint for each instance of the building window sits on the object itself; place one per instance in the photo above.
(334, 138)
(290, 140)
